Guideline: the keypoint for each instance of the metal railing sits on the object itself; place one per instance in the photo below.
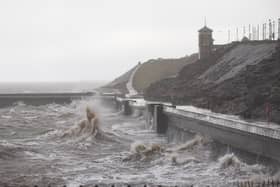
(231, 123)
(113, 185)
(264, 183)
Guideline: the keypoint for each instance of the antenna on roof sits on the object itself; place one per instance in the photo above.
(273, 30)
(279, 28)
(237, 37)
(205, 23)
(258, 32)
(270, 29)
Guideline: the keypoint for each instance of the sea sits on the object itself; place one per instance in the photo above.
(35, 151)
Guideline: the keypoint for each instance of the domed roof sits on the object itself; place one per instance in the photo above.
(245, 39)
(205, 29)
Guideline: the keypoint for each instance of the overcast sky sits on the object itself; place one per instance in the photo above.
(74, 40)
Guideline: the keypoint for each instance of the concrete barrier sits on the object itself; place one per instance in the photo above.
(180, 125)
(160, 119)
(41, 98)
(244, 136)
(130, 106)
(127, 108)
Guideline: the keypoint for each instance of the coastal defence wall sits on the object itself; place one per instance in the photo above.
(41, 98)
(178, 124)
(255, 139)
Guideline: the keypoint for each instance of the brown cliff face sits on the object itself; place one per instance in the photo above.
(247, 93)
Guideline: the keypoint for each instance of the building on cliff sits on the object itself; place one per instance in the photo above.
(205, 42)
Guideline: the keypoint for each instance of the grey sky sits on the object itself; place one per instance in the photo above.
(73, 40)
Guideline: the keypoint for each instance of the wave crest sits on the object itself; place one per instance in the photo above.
(141, 151)
(229, 160)
(191, 144)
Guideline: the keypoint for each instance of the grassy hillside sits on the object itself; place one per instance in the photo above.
(120, 82)
(155, 70)
(240, 81)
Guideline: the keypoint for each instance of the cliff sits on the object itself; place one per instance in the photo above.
(241, 80)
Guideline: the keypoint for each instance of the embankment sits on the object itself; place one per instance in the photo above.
(120, 83)
(137, 79)
(155, 70)
(240, 80)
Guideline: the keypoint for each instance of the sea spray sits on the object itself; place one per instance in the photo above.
(141, 151)
(137, 113)
(198, 140)
(181, 160)
(84, 128)
(180, 154)
(229, 160)
(175, 155)
(96, 160)
(137, 147)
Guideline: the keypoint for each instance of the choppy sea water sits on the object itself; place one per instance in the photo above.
(33, 151)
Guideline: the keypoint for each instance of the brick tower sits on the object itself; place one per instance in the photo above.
(205, 42)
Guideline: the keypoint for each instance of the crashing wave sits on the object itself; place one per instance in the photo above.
(196, 141)
(142, 148)
(83, 128)
(140, 151)
(89, 127)
(229, 160)
(177, 160)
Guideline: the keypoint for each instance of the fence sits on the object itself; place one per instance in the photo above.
(112, 185)
(265, 183)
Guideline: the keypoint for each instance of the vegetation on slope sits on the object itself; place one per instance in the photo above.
(247, 94)
(155, 70)
(120, 82)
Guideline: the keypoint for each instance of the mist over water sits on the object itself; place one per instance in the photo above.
(32, 151)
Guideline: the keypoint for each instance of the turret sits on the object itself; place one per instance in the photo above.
(205, 42)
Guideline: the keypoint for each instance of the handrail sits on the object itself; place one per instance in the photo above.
(235, 124)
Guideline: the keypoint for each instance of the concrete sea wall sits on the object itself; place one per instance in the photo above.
(178, 124)
(41, 98)
(258, 140)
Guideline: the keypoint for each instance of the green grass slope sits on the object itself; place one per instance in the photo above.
(155, 70)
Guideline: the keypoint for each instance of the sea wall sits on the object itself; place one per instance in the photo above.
(255, 139)
(41, 98)
(181, 124)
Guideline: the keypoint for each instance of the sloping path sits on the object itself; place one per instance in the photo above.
(129, 84)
